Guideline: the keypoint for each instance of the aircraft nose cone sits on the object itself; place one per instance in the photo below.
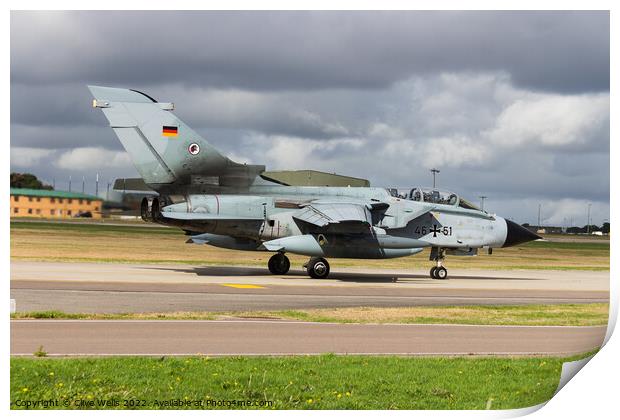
(517, 234)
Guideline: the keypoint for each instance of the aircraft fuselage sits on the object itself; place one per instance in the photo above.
(399, 232)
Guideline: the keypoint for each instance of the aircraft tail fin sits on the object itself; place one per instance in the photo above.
(163, 148)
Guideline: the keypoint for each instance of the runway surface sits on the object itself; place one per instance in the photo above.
(115, 288)
(81, 337)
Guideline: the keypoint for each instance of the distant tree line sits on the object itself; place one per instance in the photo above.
(593, 228)
(28, 181)
(573, 229)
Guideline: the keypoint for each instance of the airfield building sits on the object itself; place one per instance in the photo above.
(27, 202)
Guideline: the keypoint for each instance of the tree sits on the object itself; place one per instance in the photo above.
(575, 229)
(28, 181)
(605, 227)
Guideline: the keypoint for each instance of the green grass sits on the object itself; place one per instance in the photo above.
(293, 382)
(590, 314)
(567, 314)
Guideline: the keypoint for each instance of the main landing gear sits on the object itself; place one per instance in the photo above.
(318, 268)
(438, 272)
(279, 264)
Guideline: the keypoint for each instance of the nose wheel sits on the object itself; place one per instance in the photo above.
(438, 272)
(318, 268)
(279, 264)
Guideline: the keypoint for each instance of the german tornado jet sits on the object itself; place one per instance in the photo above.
(237, 206)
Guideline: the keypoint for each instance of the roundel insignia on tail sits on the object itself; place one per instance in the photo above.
(193, 149)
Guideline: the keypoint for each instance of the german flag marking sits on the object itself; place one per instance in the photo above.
(170, 131)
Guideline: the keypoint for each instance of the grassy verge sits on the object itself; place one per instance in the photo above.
(573, 314)
(295, 382)
(116, 316)
(577, 315)
(95, 227)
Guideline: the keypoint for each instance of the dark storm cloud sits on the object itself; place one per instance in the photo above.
(54, 104)
(64, 137)
(54, 54)
(512, 105)
(558, 51)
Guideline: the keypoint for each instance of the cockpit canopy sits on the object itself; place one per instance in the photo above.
(431, 195)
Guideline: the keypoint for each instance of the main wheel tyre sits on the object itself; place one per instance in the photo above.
(145, 210)
(279, 264)
(441, 273)
(433, 275)
(155, 210)
(318, 268)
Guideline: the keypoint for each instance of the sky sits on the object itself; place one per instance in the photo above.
(510, 105)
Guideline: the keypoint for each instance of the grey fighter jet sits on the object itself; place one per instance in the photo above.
(231, 205)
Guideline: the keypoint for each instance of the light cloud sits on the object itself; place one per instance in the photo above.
(551, 120)
(282, 152)
(277, 113)
(382, 130)
(454, 152)
(92, 158)
(28, 157)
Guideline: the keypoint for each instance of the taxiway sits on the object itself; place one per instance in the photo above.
(115, 288)
(257, 337)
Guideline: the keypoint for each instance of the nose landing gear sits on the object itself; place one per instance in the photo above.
(279, 264)
(438, 272)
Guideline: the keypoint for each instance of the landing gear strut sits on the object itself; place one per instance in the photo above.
(318, 268)
(279, 264)
(438, 272)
